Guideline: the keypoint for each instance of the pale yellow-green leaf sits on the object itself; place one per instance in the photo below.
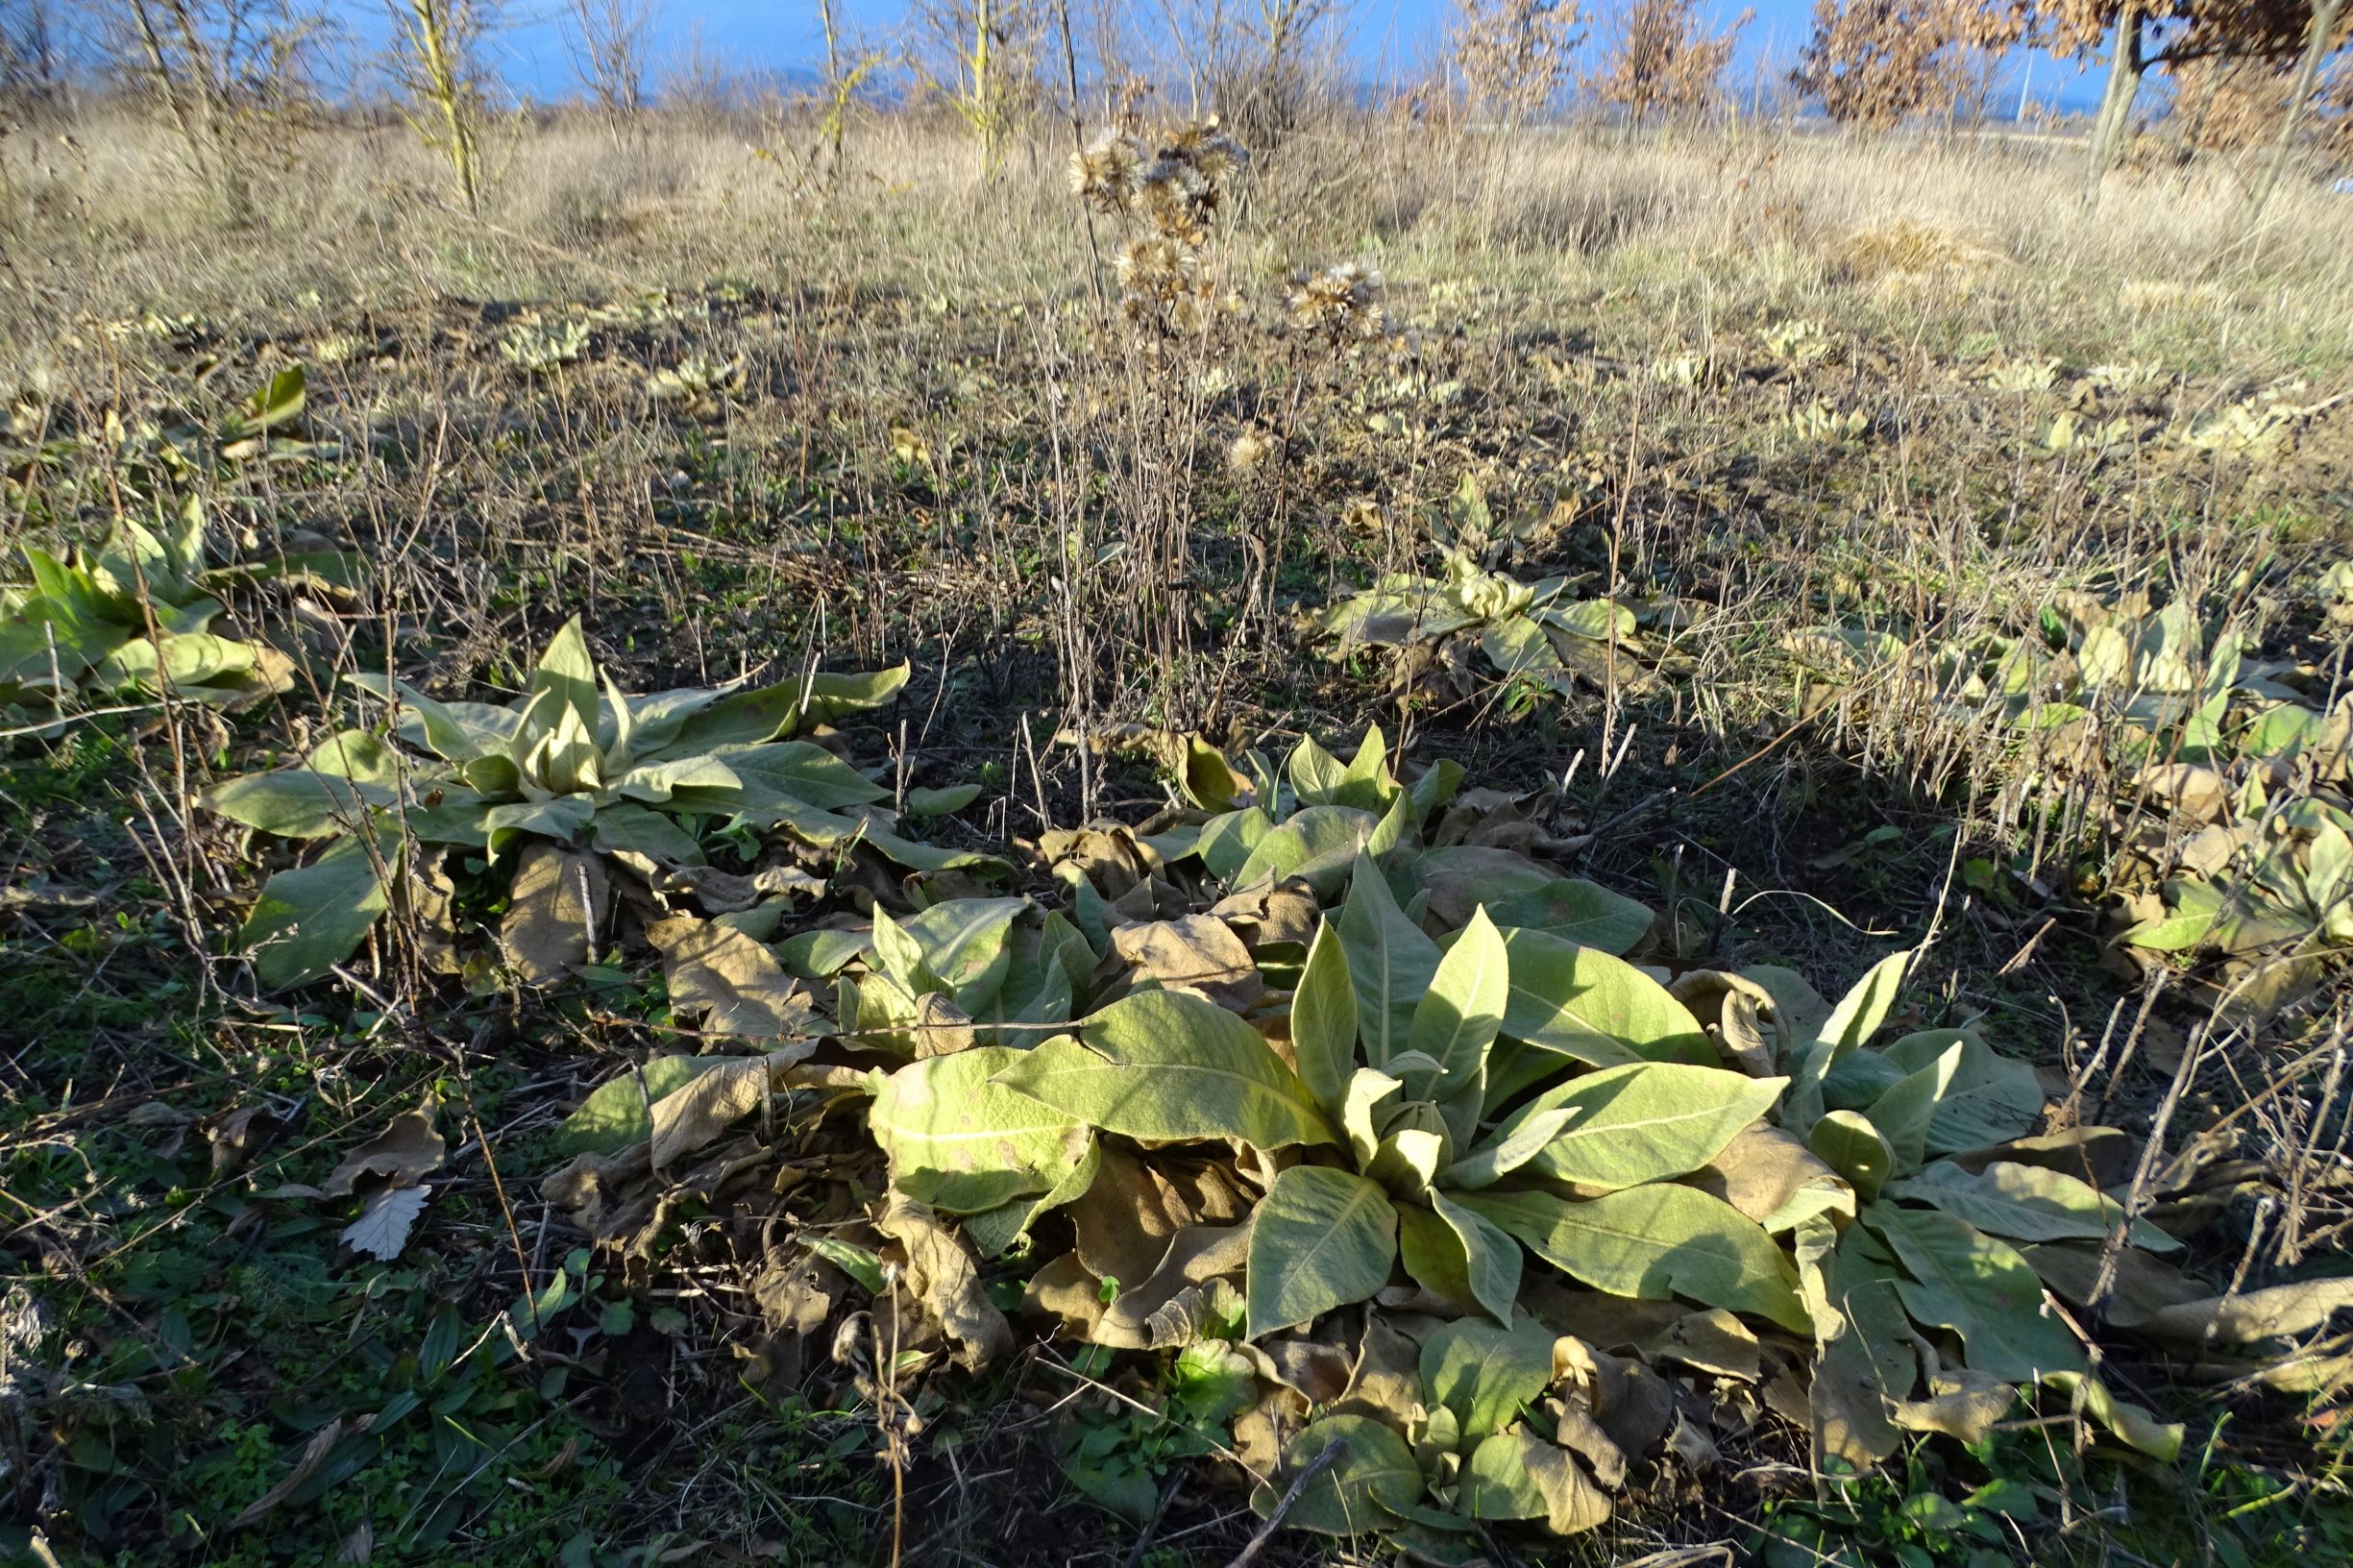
(1320, 1238)
(1646, 1121)
(1487, 1373)
(1457, 1017)
(2027, 1203)
(1990, 1098)
(1851, 1023)
(1654, 1242)
(1964, 1280)
(1375, 1472)
(1165, 1064)
(1585, 1004)
(567, 670)
(1902, 1115)
(962, 1143)
(1324, 1022)
(295, 803)
(1391, 962)
(1848, 1143)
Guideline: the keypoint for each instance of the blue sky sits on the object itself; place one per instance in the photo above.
(1388, 38)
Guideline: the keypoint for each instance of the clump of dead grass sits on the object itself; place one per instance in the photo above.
(1910, 247)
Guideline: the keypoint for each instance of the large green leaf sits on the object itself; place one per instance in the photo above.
(1655, 1243)
(1319, 1238)
(750, 716)
(567, 671)
(1485, 874)
(1574, 910)
(962, 1143)
(2027, 1203)
(1391, 962)
(42, 653)
(1964, 1280)
(361, 755)
(1487, 1373)
(444, 728)
(622, 828)
(1518, 647)
(1455, 1020)
(1316, 843)
(1455, 1254)
(1903, 1112)
(1367, 783)
(1225, 842)
(995, 1230)
(1375, 1473)
(1167, 1065)
(562, 818)
(1991, 1099)
(658, 782)
(1581, 1003)
(1316, 774)
(615, 1114)
(966, 945)
(1848, 1143)
(1514, 1144)
(1646, 1121)
(1324, 1022)
(185, 661)
(1517, 1475)
(1435, 787)
(309, 918)
(295, 803)
(794, 770)
(1851, 1023)
(835, 695)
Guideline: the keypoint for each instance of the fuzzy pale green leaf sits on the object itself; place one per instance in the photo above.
(962, 1142)
(1654, 1242)
(1320, 1238)
(1647, 1121)
(1168, 1065)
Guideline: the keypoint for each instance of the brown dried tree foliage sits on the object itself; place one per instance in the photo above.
(1877, 62)
(2333, 104)
(2175, 31)
(2136, 35)
(1513, 55)
(2228, 106)
(1658, 58)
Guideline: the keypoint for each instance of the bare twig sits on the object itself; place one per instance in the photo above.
(1316, 1466)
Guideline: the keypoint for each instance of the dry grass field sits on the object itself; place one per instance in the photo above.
(454, 1111)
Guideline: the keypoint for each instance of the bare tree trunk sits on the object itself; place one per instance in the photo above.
(2126, 66)
(2323, 26)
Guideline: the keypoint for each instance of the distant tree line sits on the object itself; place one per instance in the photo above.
(223, 75)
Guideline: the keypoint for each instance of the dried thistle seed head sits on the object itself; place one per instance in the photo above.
(1157, 268)
(1104, 173)
(1249, 450)
(1216, 156)
(1177, 199)
(1340, 304)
